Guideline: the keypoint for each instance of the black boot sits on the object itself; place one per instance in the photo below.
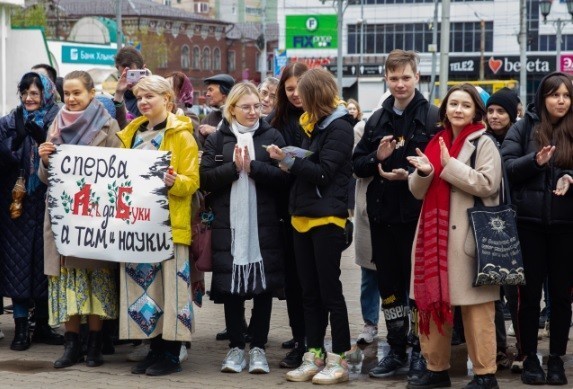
(43, 333)
(555, 371)
(485, 381)
(72, 351)
(532, 373)
(94, 356)
(21, 340)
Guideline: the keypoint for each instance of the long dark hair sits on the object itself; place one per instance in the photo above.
(293, 69)
(559, 134)
(476, 98)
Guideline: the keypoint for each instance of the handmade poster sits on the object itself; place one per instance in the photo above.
(110, 204)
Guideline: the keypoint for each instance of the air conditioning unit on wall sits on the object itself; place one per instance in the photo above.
(202, 8)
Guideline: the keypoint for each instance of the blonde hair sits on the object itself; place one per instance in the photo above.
(155, 84)
(359, 114)
(240, 89)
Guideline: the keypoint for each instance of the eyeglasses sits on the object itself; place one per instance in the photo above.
(34, 95)
(264, 94)
(248, 108)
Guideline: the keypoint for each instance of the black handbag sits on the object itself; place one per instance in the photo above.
(498, 251)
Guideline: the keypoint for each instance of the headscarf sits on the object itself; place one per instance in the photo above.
(186, 93)
(48, 94)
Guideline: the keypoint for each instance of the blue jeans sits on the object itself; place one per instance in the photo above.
(369, 296)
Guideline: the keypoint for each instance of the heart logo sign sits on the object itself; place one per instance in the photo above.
(495, 64)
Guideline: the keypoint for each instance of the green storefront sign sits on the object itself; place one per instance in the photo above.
(311, 32)
(88, 55)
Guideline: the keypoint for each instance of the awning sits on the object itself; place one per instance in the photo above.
(347, 82)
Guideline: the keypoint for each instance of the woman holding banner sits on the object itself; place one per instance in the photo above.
(79, 287)
(155, 297)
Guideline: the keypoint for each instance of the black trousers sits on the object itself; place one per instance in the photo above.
(260, 319)
(546, 253)
(158, 344)
(392, 255)
(293, 290)
(318, 254)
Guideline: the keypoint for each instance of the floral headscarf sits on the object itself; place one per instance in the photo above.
(49, 94)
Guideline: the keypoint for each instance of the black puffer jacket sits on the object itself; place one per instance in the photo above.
(532, 185)
(391, 201)
(218, 177)
(320, 187)
(21, 239)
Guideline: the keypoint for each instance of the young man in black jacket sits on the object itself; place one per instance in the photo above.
(405, 122)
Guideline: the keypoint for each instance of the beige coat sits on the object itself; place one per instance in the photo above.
(362, 239)
(52, 259)
(483, 181)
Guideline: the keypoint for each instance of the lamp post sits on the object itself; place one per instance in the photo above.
(545, 9)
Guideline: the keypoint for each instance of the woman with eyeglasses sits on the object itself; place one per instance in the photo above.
(268, 92)
(243, 184)
(21, 222)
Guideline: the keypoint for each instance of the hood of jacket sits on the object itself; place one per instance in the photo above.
(419, 99)
(539, 100)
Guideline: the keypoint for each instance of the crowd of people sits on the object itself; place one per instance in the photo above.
(283, 166)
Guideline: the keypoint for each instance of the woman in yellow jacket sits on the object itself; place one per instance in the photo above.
(154, 297)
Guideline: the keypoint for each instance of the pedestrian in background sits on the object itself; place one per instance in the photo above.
(501, 113)
(286, 118)
(268, 91)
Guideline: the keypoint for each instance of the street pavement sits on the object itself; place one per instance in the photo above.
(33, 368)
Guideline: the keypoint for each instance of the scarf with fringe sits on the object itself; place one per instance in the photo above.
(431, 254)
(248, 266)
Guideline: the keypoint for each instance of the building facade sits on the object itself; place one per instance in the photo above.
(483, 40)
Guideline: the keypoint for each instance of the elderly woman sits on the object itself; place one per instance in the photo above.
(243, 183)
(166, 295)
(22, 245)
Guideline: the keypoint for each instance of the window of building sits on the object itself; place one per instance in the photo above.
(382, 38)
(216, 58)
(410, 1)
(163, 59)
(196, 58)
(185, 57)
(206, 58)
(231, 57)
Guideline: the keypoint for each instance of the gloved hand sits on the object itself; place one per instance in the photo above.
(35, 131)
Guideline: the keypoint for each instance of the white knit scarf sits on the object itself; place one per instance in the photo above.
(245, 249)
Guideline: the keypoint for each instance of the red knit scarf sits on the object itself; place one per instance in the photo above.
(431, 254)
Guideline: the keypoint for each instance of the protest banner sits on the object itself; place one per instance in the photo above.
(110, 204)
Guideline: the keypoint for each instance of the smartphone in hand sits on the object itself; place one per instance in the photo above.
(134, 75)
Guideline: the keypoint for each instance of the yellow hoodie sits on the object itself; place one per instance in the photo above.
(179, 140)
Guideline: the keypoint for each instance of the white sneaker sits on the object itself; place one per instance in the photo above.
(258, 361)
(309, 368)
(1, 335)
(335, 371)
(139, 353)
(234, 361)
(369, 332)
(510, 331)
(183, 355)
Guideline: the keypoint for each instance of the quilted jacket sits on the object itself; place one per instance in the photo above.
(21, 239)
